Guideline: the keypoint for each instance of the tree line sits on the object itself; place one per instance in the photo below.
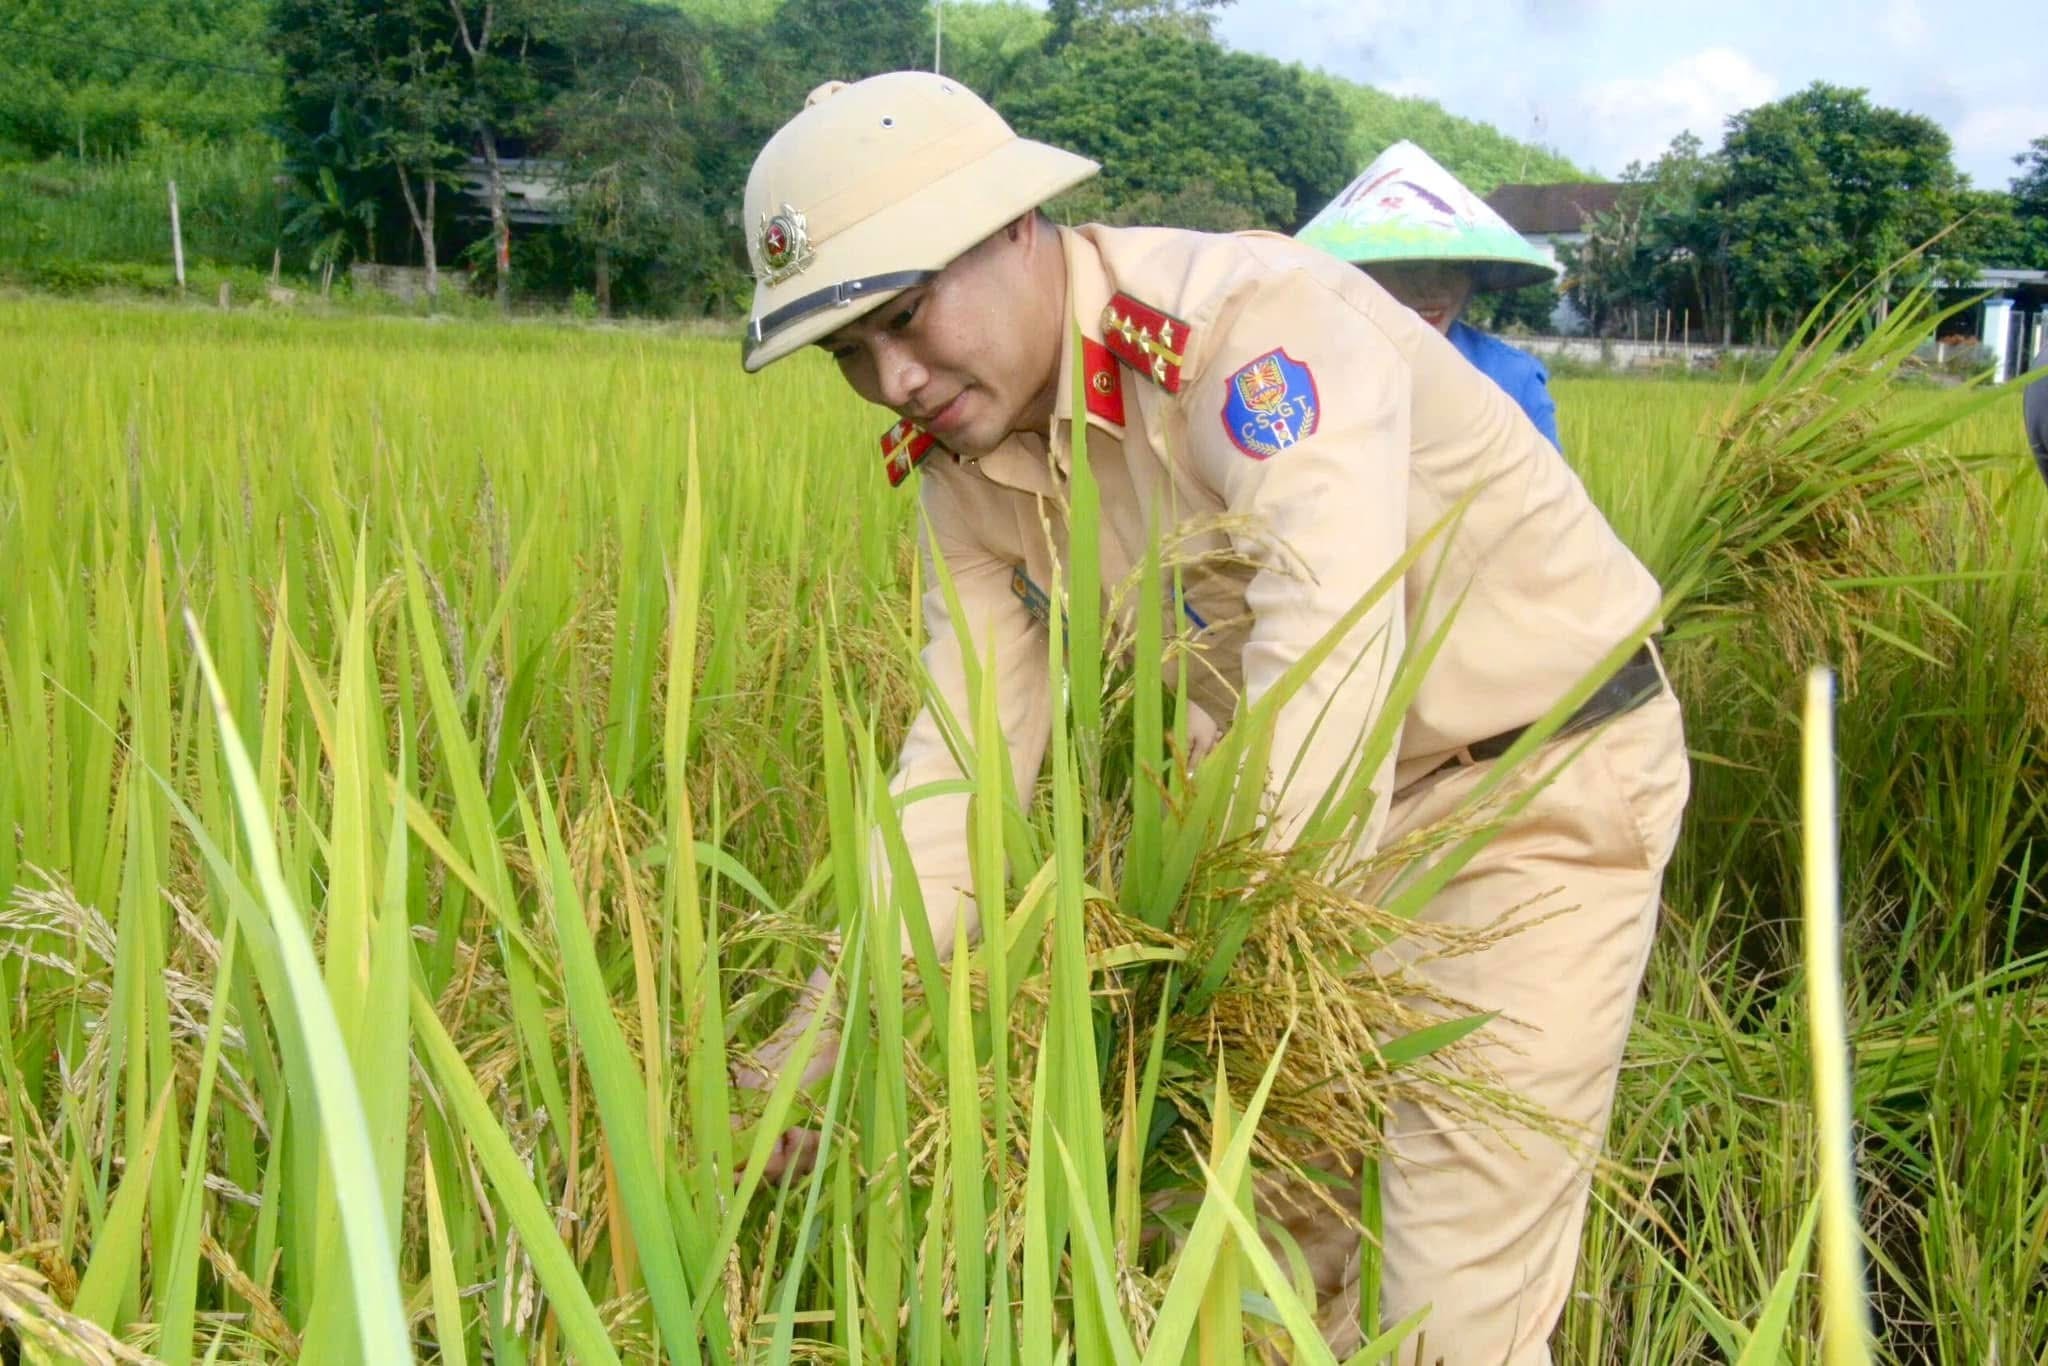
(1818, 193)
(647, 117)
(398, 124)
(397, 120)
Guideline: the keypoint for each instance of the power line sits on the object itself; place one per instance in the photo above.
(145, 54)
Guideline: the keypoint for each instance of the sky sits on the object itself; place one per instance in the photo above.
(1608, 82)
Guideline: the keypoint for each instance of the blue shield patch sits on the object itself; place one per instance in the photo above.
(1031, 595)
(1271, 404)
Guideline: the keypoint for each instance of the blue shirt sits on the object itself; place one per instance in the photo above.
(1514, 370)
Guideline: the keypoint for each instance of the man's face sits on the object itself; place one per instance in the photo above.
(1437, 290)
(972, 356)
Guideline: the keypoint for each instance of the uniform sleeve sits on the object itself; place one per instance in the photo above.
(935, 827)
(1299, 417)
(2036, 412)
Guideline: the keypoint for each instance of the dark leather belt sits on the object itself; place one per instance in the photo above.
(1633, 684)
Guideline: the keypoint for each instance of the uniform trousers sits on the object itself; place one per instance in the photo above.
(1481, 1222)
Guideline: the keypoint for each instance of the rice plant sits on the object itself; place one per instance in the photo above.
(432, 756)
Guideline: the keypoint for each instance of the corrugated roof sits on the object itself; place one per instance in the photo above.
(1553, 208)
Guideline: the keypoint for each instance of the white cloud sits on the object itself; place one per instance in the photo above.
(1902, 24)
(1613, 81)
(1634, 118)
(1378, 40)
(1416, 87)
(1305, 30)
(1987, 139)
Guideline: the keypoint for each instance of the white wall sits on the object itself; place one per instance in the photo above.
(1623, 354)
(1996, 333)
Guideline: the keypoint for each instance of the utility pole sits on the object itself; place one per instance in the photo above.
(177, 238)
(938, 32)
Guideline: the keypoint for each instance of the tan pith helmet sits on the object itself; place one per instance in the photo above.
(873, 189)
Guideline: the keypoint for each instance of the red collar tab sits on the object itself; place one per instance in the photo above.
(1105, 382)
(1150, 342)
(904, 447)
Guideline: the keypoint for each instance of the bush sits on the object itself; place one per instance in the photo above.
(73, 277)
(119, 210)
(1189, 130)
(1518, 312)
(65, 275)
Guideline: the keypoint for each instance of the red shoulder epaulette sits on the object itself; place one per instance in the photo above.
(904, 447)
(1145, 339)
(1105, 382)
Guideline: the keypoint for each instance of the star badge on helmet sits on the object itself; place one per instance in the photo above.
(785, 243)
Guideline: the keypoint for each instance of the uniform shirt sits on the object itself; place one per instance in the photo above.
(1386, 428)
(2036, 413)
(1517, 372)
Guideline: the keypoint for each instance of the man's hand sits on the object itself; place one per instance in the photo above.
(795, 1153)
(796, 1149)
(1203, 733)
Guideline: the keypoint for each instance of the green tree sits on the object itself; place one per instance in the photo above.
(1516, 310)
(1825, 190)
(1066, 19)
(1819, 192)
(1188, 133)
(1611, 275)
(989, 47)
(1478, 154)
(2030, 204)
(1687, 238)
(630, 136)
(332, 204)
(1661, 249)
(1189, 18)
(502, 42)
(417, 98)
(1779, 207)
(1989, 230)
(1088, 20)
(430, 83)
(809, 41)
(370, 105)
(89, 76)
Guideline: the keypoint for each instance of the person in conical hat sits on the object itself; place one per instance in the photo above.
(1433, 244)
(1296, 433)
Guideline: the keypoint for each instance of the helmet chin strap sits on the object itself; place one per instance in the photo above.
(842, 295)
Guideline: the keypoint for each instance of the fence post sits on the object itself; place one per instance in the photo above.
(177, 237)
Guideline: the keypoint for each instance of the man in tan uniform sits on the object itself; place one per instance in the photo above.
(1251, 381)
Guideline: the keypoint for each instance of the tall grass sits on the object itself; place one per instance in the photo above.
(117, 209)
(505, 712)
(1932, 604)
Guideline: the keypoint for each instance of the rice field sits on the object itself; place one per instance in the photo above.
(432, 755)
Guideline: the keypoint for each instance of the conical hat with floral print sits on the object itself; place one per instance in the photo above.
(1405, 207)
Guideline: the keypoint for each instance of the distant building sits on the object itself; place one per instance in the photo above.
(2012, 324)
(1554, 217)
(533, 192)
